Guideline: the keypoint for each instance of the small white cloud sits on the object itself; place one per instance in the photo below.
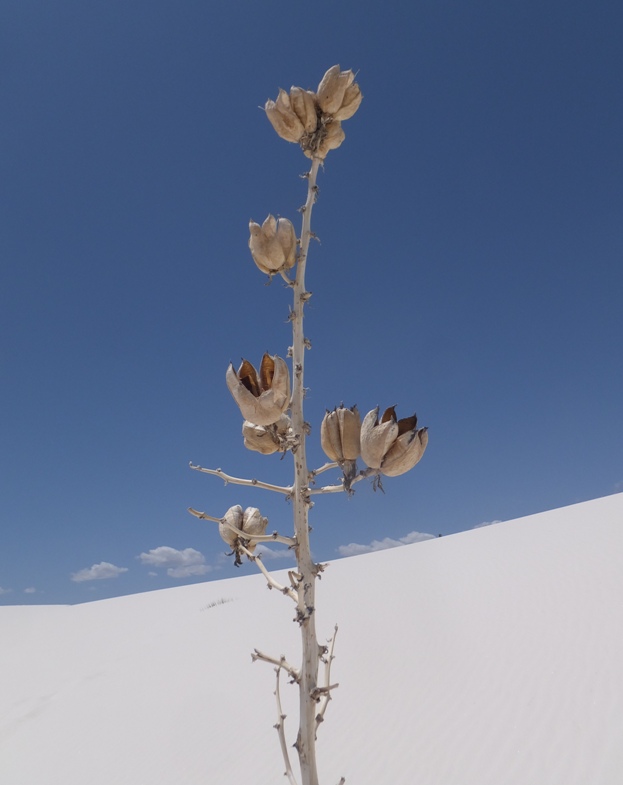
(30, 590)
(5, 591)
(485, 523)
(98, 572)
(354, 548)
(179, 564)
(618, 486)
(268, 553)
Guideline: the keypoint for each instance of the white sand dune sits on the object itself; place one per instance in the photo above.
(493, 657)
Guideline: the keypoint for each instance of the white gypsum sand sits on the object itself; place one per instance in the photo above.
(491, 657)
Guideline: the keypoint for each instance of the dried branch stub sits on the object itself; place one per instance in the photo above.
(314, 120)
(273, 245)
(340, 439)
(250, 522)
(268, 439)
(390, 445)
(262, 398)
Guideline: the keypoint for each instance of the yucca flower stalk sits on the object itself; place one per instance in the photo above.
(265, 396)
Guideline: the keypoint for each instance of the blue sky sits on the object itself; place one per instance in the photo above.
(470, 269)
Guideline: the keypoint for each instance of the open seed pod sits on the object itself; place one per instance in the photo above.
(262, 398)
(406, 451)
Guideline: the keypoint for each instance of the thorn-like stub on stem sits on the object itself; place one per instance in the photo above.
(390, 445)
(262, 398)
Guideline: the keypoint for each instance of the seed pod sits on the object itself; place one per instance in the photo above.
(283, 118)
(350, 104)
(377, 438)
(332, 88)
(405, 453)
(333, 139)
(253, 525)
(233, 516)
(303, 103)
(262, 400)
(273, 244)
(339, 434)
(266, 439)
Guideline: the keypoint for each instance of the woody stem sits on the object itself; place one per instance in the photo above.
(306, 739)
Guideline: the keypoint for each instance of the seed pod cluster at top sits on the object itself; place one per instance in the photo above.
(250, 522)
(262, 398)
(314, 120)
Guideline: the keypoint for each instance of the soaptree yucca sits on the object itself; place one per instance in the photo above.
(270, 398)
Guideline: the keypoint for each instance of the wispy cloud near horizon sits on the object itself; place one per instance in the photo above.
(98, 572)
(178, 564)
(354, 548)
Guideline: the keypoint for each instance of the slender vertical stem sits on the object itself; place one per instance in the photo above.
(306, 739)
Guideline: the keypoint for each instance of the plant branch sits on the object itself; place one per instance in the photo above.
(340, 487)
(280, 727)
(325, 467)
(239, 481)
(328, 659)
(272, 583)
(280, 663)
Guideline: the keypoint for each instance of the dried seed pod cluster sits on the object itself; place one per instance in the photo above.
(262, 398)
(340, 439)
(390, 445)
(314, 120)
(273, 244)
(250, 522)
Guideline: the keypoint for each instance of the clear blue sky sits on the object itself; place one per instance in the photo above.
(470, 268)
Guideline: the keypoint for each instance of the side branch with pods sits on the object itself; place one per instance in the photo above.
(270, 399)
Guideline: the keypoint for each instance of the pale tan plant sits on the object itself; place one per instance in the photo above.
(390, 446)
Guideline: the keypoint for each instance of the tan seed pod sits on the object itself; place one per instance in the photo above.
(350, 104)
(377, 437)
(333, 139)
(259, 439)
(283, 119)
(406, 451)
(261, 399)
(339, 434)
(234, 517)
(303, 103)
(332, 88)
(266, 439)
(253, 525)
(273, 244)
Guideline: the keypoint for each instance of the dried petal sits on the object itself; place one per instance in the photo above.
(332, 140)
